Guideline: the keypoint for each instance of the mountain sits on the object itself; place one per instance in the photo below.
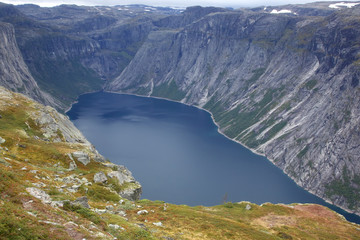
(283, 81)
(284, 85)
(14, 73)
(55, 185)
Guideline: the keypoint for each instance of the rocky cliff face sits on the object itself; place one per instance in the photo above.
(286, 86)
(14, 73)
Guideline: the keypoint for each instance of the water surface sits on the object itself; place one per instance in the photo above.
(178, 156)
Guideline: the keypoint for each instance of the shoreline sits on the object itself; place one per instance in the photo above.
(348, 211)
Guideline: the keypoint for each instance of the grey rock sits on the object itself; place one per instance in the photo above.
(72, 166)
(100, 211)
(248, 207)
(121, 213)
(81, 157)
(158, 224)
(2, 140)
(123, 175)
(142, 212)
(82, 201)
(100, 177)
(39, 194)
(116, 227)
(132, 194)
(15, 74)
(110, 207)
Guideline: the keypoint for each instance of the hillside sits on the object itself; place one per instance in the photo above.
(55, 185)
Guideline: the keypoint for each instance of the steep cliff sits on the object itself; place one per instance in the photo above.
(286, 86)
(14, 73)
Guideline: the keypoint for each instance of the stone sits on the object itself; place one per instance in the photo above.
(82, 157)
(116, 227)
(248, 207)
(39, 194)
(100, 177)
(81, 201)
(122, 175)
(142, 212)
(72, 166)
(121, 213)
(57, 204)
(2, 140)
(158, 224)
(132, 194)
(110, 207)
(100, 211)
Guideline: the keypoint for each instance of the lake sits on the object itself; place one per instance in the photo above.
(177, 154)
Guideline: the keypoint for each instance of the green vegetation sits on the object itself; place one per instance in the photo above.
(256, 75)
(302, 153)
(84, 212)
(310, 84)
(16, 224)
(97, 192)
(238, 120)
(64, 79)
(168, 90)
(346, 187)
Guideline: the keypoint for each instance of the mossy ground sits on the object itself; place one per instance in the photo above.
(27, 161)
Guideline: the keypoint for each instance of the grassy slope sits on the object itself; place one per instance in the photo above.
(25, 217)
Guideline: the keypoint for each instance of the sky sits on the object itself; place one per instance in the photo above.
(171, 3)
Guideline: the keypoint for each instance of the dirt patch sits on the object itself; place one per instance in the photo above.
(271, 220)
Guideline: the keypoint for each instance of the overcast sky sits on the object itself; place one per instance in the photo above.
(172, 3)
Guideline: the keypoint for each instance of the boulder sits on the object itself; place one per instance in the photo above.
(142, 212)
(158, 224)
(100, 177)
(115, 227)
(121, 176)
(132, 194)
(82, 157)
(81, 201)
(2, 140)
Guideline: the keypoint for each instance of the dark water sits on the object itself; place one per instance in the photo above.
(178, 156)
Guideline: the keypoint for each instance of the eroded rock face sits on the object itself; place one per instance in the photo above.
(100, 177)
(285, 86)
(122, 174)
(132, 194)
(15, 74)
(81, 157)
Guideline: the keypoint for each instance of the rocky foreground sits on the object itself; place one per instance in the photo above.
(55, 185)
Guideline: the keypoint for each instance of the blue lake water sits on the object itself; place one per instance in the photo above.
(178, 156)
